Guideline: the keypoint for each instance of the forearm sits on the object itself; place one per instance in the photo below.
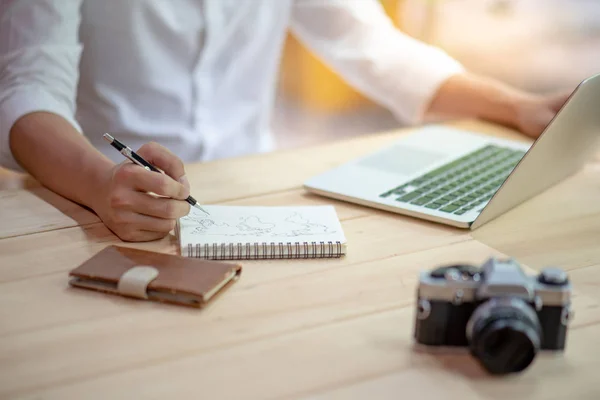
(59, 157)
(471, 96)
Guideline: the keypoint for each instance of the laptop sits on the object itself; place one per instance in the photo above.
(466, 179)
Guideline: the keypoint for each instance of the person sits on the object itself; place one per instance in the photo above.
(194, 80)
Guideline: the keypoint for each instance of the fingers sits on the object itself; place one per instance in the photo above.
(145, 222)
(146, 204)
(131, 211)
(138, 236)
(132, 176)
(162, 157)
(133, 227)
(184, 181)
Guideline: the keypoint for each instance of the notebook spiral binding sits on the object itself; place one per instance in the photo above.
(264, 250)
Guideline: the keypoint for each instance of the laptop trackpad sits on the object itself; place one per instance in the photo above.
(403, 160)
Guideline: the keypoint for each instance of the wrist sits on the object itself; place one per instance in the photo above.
(470, 96)
(98, 178)
(501, 106)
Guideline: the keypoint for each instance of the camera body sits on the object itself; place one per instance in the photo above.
(503, 315)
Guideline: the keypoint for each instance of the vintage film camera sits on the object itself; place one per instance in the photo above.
(503, 315)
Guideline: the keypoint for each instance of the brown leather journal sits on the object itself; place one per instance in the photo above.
(154, 276)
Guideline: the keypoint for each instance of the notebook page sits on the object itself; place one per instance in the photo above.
(258, 224)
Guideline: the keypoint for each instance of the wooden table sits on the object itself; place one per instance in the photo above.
(336, 328)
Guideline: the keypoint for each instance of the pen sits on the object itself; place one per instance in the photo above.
(130, 154)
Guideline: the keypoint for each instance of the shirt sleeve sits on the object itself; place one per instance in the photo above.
(39, 57)
(358, 40)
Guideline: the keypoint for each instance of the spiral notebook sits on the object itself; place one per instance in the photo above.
(242, 232)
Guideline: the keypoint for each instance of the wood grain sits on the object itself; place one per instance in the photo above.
(356, 312)
(37, 210)
(335, 329)
(16, 180)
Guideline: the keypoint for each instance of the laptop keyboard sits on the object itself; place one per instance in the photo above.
(463, 184)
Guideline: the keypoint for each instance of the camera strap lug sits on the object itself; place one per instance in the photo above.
(423, 309)
(567, 315)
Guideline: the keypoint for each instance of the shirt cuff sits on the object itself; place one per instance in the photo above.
(18, 104)
(428, 71)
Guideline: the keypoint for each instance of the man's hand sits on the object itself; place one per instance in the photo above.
(59, 157)
(533, 113)
(128, 204)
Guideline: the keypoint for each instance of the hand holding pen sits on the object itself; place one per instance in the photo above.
(130, 210)
(135, 158)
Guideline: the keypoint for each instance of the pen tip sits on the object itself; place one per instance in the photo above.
(108, 137)
(201, 209)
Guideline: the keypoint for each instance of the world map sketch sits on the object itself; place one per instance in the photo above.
(293, 225)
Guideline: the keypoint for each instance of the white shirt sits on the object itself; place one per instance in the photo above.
(198, 76)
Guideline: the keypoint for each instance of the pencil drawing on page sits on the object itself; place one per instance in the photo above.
(293, 225)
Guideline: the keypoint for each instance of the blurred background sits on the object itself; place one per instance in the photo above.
(539, 45)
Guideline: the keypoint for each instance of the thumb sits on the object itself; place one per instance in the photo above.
(184, 181)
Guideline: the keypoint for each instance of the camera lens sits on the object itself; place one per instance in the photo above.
(504, 335)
